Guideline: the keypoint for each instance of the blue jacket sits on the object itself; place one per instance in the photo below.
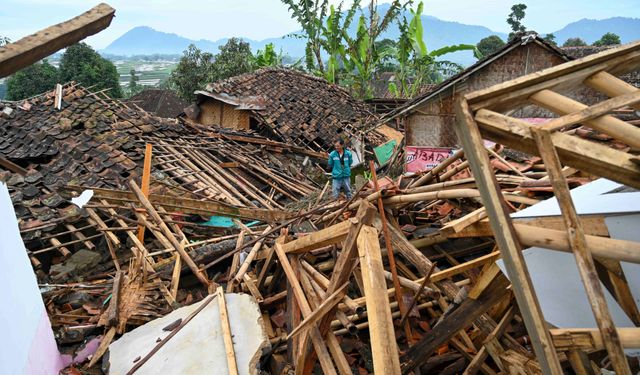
(338, 169)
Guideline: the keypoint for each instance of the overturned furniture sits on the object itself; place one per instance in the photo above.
(480, 115)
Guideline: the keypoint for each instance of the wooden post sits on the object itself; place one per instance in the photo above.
(146, 180)
(314, 333)
(582, 253)
(390, 256)
(468, 132)
(383, 341)
(227, 335)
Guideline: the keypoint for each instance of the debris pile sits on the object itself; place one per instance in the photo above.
(407, 276)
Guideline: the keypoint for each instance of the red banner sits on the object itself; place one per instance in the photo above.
(419, 159)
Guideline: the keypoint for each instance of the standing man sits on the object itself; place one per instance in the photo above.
(340, 161)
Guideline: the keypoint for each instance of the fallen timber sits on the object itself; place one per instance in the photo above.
(321, 276)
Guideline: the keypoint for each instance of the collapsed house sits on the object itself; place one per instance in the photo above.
(287, 105)
(122, 216)
(159, 102)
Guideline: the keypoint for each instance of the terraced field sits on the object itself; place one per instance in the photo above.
(151, 73)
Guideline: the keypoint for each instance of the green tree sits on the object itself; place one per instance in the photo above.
(267, 57)
(515, 19)
(417, 65)
(361, 56)
(574, 42)
(310, 14)
(32, 80)
(489, 45)
(82, 64)
(608, 39)
(551, 39)
(234, 58)
(133, 88)
(192, 73)
(388, 62)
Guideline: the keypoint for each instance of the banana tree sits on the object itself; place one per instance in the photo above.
(268, 57)
(331, 40)
(362, 56)
(418, 66)
(309, 14)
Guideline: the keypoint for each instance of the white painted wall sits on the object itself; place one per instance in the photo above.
(27, 345)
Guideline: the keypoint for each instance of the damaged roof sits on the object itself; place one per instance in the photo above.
(162, 103)
(480, 64)
(297, 107)
(98, 142)
(92, 140)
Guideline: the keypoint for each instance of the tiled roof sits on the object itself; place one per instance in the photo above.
(91, 140)
(163, 103)
(299, 108)
(98, 142)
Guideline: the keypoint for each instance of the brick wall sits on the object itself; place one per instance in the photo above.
(432, 123)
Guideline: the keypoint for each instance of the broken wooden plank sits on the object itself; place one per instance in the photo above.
(170, 236)
(461, 317)
(506, 238)
(582, 252)
(383, 341)
(192, 206)
(30, 49)
(227, 335)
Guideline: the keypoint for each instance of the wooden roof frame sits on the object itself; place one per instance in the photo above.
(480, 115)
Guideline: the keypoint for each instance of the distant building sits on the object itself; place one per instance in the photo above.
(429, 118)
(162, 103)
(286, 105)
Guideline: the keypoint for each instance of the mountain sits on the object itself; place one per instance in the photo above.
(591, 30)
(438, 33)
(143, 40)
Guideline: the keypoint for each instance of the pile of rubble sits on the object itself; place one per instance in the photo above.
(135, 225)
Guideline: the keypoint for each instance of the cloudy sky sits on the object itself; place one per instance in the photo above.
(260, 19)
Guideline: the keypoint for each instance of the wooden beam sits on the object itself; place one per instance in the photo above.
(348, 257)
(460, 318)
(191, 206)
(591, 338)
(468, 132)
(582, 252)
(327, 236)
(593, 111)
(169, 235)
(146, 181)
(383, 341)
(227, 335)
(30, 49)
(319, 345)
(534, 236)
(573, 151)
(611, 85)
(562, 105)
(390, 256)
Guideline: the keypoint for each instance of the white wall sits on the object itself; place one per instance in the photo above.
(27, 345)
